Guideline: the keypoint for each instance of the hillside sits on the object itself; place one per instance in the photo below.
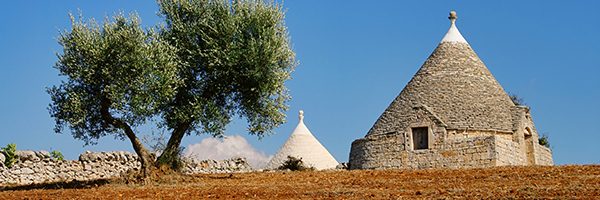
(498, 182)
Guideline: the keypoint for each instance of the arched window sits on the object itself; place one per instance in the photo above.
(528, 132)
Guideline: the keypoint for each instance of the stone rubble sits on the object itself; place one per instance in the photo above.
(38, 167)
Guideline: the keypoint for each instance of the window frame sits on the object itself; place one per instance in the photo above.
(427, 137)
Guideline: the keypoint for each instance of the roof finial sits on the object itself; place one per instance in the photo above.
(452, 16)
(301, 115)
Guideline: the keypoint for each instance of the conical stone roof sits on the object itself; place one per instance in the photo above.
(302, 144)
(457, 87)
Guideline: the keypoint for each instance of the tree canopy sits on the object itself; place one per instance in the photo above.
(210, 61)
(236, 57)
(117, 67)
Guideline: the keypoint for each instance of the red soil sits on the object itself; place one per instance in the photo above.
(582, 182)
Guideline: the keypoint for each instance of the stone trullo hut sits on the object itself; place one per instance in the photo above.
(302, 144)
(453, 113)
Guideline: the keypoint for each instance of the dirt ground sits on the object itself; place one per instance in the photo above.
(564, 182)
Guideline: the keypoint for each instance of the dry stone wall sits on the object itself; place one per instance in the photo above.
(543, 155)
(455, 153)
(376, 152)
(39, 167)
(508, 152)
(388, 151)
(216, 166)
(471, 152)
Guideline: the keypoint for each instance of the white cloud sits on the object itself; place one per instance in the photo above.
(226, 148)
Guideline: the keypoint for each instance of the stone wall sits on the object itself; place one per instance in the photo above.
(39, 167)
(508, 152)
(543, 155)
(377, 151)
(216, 166)
(454, 153)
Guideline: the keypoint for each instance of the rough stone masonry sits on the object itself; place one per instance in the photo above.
(39, 167)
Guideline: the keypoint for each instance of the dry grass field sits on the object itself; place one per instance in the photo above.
(564, 182)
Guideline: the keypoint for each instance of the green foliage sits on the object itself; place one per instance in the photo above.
(10, 152)
(57, 155)
(543, 140)
(295, 164)
(237, 56)
(118, 69)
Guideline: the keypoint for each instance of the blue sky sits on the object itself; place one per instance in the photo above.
(355, 58)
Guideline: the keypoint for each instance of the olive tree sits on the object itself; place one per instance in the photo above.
(211, 61)
(117, 77)
(235, 58)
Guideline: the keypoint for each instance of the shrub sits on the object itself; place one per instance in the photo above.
(176, 162)
(157, 143)
(517, 100)
(295, 164)
(10, 152)
(57, 155)
(543, 140)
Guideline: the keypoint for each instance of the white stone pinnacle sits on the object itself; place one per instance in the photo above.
(453, 35)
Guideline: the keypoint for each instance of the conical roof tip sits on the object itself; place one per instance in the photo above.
(301, 128)
(302, 144)
(453, 35)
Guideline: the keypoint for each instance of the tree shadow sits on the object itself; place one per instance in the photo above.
(74, 184)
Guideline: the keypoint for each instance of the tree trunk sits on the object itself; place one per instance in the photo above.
(143, 154)
(170, 155)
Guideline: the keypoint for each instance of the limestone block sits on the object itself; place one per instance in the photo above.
(26, 171)
(42, 154)
(122, 156)
(86, 156)
(2, 159)
(27, 156)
